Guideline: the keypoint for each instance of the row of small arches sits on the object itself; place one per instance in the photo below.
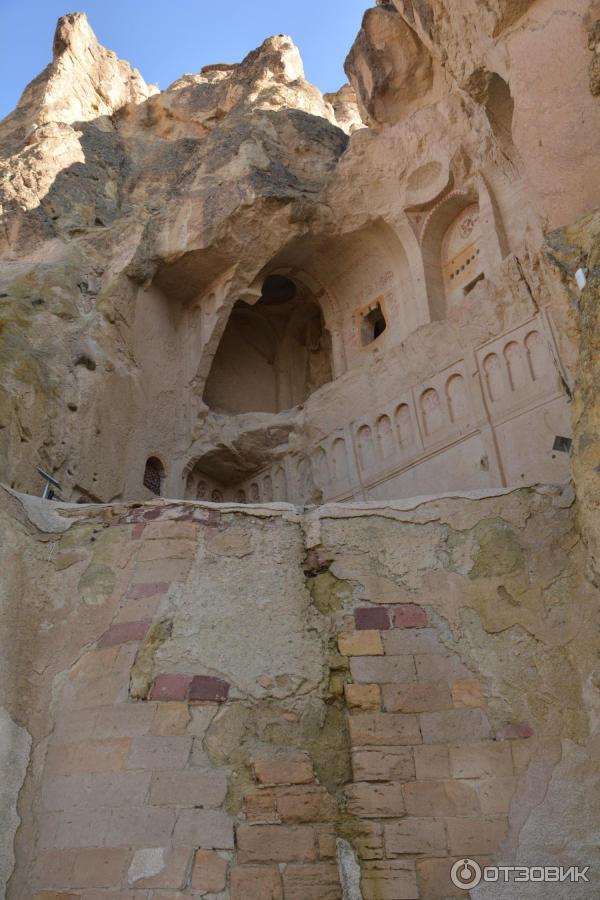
(517, 366)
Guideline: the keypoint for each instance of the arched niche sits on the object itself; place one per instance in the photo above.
(273, 354)
(154, 475)
(461, 241)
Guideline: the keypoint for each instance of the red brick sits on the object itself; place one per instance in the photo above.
(390, 880)
(288, 769)
(170, 686)
(514, 731)
(144, 589)
(372, 617)
(305, 804)
(205, 687)
(210, 872)
(407, 615)
(124, 632)
(320, 881)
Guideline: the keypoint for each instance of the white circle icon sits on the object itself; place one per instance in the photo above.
(465, 874)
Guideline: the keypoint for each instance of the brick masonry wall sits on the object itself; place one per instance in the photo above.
(157, 776)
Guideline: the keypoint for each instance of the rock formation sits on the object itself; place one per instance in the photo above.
(330, 364)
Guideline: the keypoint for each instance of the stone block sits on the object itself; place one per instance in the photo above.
(205, 687)
(417, 697)
(470, 837)
(208, 829)
(171, 719)
(87, 757)
(99, 868)
(468, 693)
(431, 761)
(383, 729)
(124, 633)
(161, 570)
(140, 826)
(360, 643)
(372, 617)
(495, 794)
(170, 686)
(367, 838)
(275, 843)
(382, 669)
(515, 731)
(159, 752)
(160, 867)
(171, 530)
(72, 829)
(363, 696)
(210, 872)
(424, 837)
(123, 720)
(143, 590)
(407, 615)
(454, 726)
(260, 806)
(412, 641)
(375, 800)
(166, 548)
(256, 883)
(70, 792)
(284, 769)
(441, 666)
(385, 764)
(441, 798)
(434, 880)
(94, 663)
(189, 787)
(316, 881)
(390, 880)
(481, 760)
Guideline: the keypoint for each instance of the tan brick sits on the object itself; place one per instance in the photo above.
(382, 669)
(275, 843)
(454, 726)
(468, 693)
(168, 548)
(481, 760)
(309, 803)
(360, 643)
(363, 696)
(367, 838)
(431, 761)
(256, 883)
(86, 792)
(189, 787)
(209, 872)
(440, 798)
(106, 690)
(320, 881)
(54, 868)
(73, 828)
(260, 806)
(389, 880)
(326, 841)
(171, 719)
(174, 873)
(375, 800)
(87, 757)
(55, 895)
(434, 879)
(284, 770)
(495, 794)
(124, 720)
(208, 829)
(426, 837)
(383, 729)
(129, 895)
(417, 697)
(386, 764)
(473, 836)
(99, 868)
(158, 752)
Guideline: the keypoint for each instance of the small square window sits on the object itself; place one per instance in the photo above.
(372, 325)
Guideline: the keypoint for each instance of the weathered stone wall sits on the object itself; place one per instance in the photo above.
(218, 697)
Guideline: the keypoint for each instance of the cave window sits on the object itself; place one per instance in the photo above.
(372, 324)
(154, 475)
(461, 254)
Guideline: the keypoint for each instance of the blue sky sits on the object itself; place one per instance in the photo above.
(165, 38)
